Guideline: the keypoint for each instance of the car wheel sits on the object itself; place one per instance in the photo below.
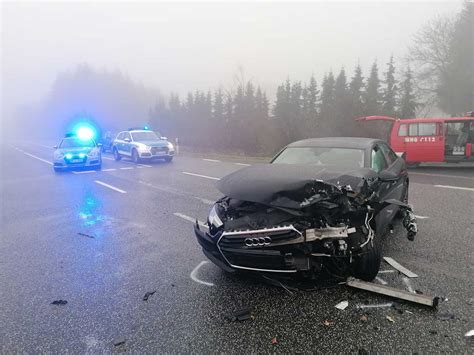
(135, 156)
(367, 265)
(117, 155)
(168, 159)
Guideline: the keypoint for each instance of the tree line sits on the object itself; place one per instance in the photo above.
(245, 120)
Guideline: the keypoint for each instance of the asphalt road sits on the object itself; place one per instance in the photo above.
(102, 240)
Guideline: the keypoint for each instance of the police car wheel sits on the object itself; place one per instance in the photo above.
(135, 156)
(117, 155)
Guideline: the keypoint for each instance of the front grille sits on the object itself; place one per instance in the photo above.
(76, 160)
(158, 150)
(262, 249)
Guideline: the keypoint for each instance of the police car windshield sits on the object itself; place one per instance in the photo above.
(144, 136)
(77, 143)
(339, 157)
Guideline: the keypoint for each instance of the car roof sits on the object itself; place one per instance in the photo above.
(339, 142)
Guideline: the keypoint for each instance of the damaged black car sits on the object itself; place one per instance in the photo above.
(320, 205)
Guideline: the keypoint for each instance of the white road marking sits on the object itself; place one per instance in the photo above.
(189, 219)
(382, 281)
(386, 271)
(199, 175)
(455, 187)
(443, 175)
(40, 159)
(242, 164)
(107, 158)
(127, 168)
(194, 272)
(110, 187)
(111, 169)
(212, 160)
(421, 217)
(407, 283)
(84, 172)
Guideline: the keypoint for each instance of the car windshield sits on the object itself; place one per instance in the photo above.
(340, 157)
(144, 136)
(77, 143)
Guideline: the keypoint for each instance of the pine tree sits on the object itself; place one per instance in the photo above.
(218, 111)
(327, 104)
(372, 97)
(228, 108)
(342, 115)
(390, 91)
(408, 105)
(356, 93)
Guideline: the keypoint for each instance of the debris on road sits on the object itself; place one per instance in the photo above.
(59, 302)
(274, 340)
(469, 333)
(408, 285)
(328, 323)
(364, 318)
(342, 305)
(86, 235)
(390, 319)
(147, 295)
(119, 341)
(393, 292)
(445, 316)
(399, 267)
(381, 305)
(241, 315)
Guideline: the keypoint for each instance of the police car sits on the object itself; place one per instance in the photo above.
(78, 150)
(142, 144)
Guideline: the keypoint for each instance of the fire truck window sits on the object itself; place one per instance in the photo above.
(378, 160)
(427, 129)
(413, 129)
(402, 131)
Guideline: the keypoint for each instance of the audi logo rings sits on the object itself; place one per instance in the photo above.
(258, 242)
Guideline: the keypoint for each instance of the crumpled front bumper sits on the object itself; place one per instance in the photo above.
(210, 249)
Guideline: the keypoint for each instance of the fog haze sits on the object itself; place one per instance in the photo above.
(177, 47)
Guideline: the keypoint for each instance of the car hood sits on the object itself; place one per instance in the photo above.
(85, 150)
(293, 186)
(159, 143)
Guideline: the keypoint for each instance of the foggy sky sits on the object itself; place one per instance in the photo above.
(187, 46)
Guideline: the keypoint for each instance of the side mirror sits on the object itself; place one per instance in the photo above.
(164, 138)
(55, 147)
(127, 140)
(388, 175)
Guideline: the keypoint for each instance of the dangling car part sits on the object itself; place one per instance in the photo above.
(295, 218)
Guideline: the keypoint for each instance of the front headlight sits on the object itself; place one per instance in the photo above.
(170, 146)
(214, 218)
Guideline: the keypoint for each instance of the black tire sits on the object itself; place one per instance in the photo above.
(117, 155)
(168, 159)
(367, 265)
(135, 156)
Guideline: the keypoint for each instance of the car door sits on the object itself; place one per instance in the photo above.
(118, 142)
(127, 144)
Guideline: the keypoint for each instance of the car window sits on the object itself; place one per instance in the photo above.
(388, 153)
(144, 136)
(127, 135)
(120, 136)
(350, 158)
(379, 162)
(402, 131)
(77, 143)
(413, 129)
(427, 129)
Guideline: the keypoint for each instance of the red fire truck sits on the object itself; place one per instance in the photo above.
(448, 139)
